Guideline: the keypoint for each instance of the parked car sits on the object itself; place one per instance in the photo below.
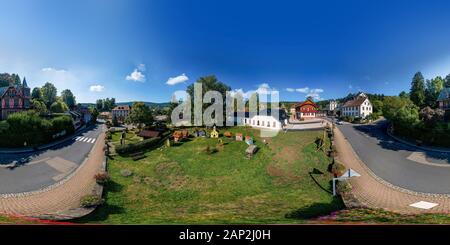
(340, 123)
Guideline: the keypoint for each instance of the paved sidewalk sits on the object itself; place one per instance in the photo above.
(373, 192)
(63, 197)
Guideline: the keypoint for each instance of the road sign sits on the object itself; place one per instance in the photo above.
(347, 175)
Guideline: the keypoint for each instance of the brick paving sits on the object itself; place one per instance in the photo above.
(63, 197)
(374, 192)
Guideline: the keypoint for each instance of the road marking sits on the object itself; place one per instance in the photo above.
(420, 157)
(85, 139)
(424, 205)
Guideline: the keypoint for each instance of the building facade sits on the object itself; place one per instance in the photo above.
(121, 112)
(267, 119)
(360, 106)
(305, 110)
(14, 98)
(332, 105)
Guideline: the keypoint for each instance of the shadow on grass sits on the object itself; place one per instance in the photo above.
(316, 210)
(316, 171)
(101, 213)
(113, 186)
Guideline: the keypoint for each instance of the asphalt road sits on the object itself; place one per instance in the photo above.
(399, 164)
(44, 168)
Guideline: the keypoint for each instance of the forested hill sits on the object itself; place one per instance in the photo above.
(5, 78)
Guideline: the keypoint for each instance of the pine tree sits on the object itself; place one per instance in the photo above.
(417, 92)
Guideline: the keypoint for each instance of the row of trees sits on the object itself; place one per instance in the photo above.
(414, 115)
(105, 104)
(425, 92)
(46, 98)
(6, 79)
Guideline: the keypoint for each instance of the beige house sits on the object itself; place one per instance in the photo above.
(121, 112)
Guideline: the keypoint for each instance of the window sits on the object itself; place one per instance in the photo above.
(274, 124)
(257, 122)
(268, 124)
(262, 123)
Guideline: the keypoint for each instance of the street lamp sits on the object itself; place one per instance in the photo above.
(347, 175)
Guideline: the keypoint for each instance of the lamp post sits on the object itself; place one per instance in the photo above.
(347, 175)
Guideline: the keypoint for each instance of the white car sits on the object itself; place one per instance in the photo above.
(340, 123)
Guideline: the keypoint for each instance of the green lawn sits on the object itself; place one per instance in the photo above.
(379, 216)
(184, 184)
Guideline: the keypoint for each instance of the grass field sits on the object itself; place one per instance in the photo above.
(184, 184)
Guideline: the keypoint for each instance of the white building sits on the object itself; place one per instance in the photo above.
(332, 105)
(358, 107)
(266, 120)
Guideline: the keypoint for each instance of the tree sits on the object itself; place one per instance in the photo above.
(447, 81)
(403, 95)
(209, 83)
(377, 106)
(430, 117)
(49, 93)
(417, 93)
(433, 88)
(58, 107)
(36, 94)
(140, 114)
(94, 114)
(68, 98)
(39, 106)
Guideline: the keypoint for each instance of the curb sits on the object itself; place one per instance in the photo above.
(384, 182)
(412, 144)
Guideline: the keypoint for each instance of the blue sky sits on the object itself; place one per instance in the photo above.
(130, 50)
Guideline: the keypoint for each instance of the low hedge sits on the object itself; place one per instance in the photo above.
(134, 147)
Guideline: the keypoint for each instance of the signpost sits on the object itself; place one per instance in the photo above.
(347, 175)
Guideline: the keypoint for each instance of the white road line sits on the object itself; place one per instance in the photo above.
(93, 140)
(77, 138)
(80, 139)
(86, 139)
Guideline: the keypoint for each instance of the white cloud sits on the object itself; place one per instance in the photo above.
(96, 88)
(136, 76)
(263, 89)
(315, 92)
(178, 79)
(51, 69)
(302, 90)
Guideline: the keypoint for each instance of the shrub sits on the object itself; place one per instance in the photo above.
(28, 127)
(90, 201)
(142, 145)
(101, 177)
(210, 150)
(337, 169)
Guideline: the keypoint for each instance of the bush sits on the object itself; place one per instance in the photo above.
(28, 127)
(90, 201)
(101, 177)
(337, 169)
(134, 147)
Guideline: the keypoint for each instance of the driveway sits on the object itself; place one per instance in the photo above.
(45, 168)
(399, 164)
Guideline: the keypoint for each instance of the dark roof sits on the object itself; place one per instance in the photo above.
(355, 102)
(444, 95)
(148, 134)
(122, 107)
